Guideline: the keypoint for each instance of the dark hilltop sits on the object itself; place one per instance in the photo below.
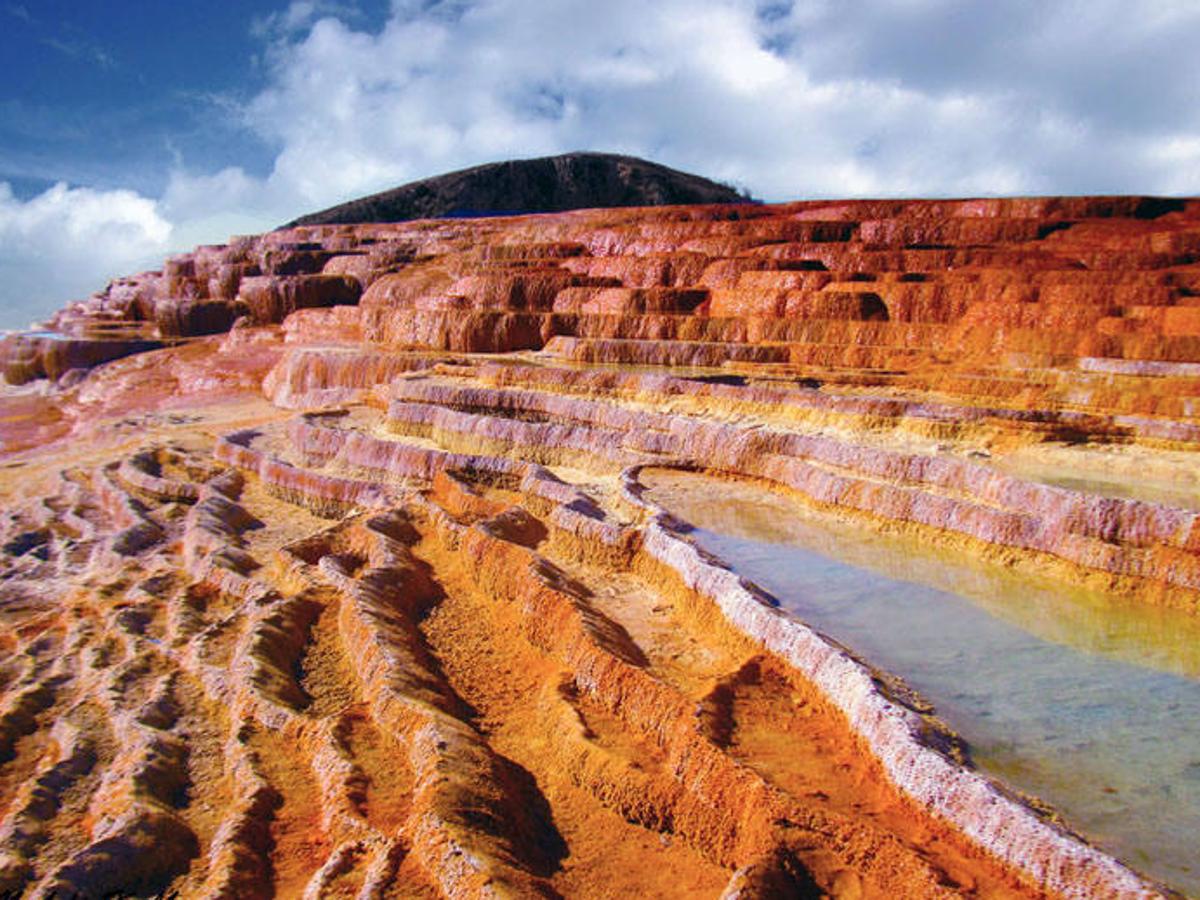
(547, 184)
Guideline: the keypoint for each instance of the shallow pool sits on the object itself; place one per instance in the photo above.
(1107, 484)
(1087, 702)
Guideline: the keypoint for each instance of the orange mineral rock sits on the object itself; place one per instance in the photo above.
(327, 569)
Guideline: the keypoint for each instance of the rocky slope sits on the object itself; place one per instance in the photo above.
(343, 602)
(548, 184)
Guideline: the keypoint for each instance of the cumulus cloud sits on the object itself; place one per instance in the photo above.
(804, 98)
(298, 15)
(67, 241)
(788, 98)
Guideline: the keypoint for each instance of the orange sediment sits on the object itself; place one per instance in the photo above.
(408, 627)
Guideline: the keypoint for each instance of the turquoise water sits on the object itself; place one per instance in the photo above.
(43, 335)
(120, 331)
(1087, 702)
(1183, 496)
(1111, 487)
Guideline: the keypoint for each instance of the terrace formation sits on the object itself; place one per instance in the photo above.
(353, 588)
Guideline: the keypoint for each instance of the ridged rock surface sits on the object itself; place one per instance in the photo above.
(328, 598)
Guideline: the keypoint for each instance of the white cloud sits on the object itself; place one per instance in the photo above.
(811, 98)
(209, 208)
(81, 222)
(67, 242)
(789, 99)
(82, 50)
(299, 15)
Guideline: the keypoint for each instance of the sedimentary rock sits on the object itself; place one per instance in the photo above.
(340, 602)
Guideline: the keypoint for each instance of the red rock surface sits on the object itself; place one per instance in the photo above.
(340, 602)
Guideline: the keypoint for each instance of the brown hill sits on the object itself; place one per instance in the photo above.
(548, 184)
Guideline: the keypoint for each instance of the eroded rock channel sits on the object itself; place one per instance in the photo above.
(367, 596)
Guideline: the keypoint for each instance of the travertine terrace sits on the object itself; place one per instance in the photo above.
(353, 589)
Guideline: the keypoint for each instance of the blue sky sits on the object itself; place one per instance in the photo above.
(120, 94)
(132, 129)
(108, 97)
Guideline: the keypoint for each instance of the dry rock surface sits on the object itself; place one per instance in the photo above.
(350, 587)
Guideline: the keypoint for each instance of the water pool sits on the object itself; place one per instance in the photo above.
(1088, 702)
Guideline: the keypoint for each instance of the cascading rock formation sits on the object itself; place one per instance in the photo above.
(327, 570)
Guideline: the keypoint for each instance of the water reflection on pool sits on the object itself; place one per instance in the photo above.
(1090, 703)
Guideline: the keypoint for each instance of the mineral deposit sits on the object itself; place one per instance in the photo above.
(350, 587)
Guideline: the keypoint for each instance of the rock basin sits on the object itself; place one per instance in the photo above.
(1065, 694)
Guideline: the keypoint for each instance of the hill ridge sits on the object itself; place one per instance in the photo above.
(576, 180)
